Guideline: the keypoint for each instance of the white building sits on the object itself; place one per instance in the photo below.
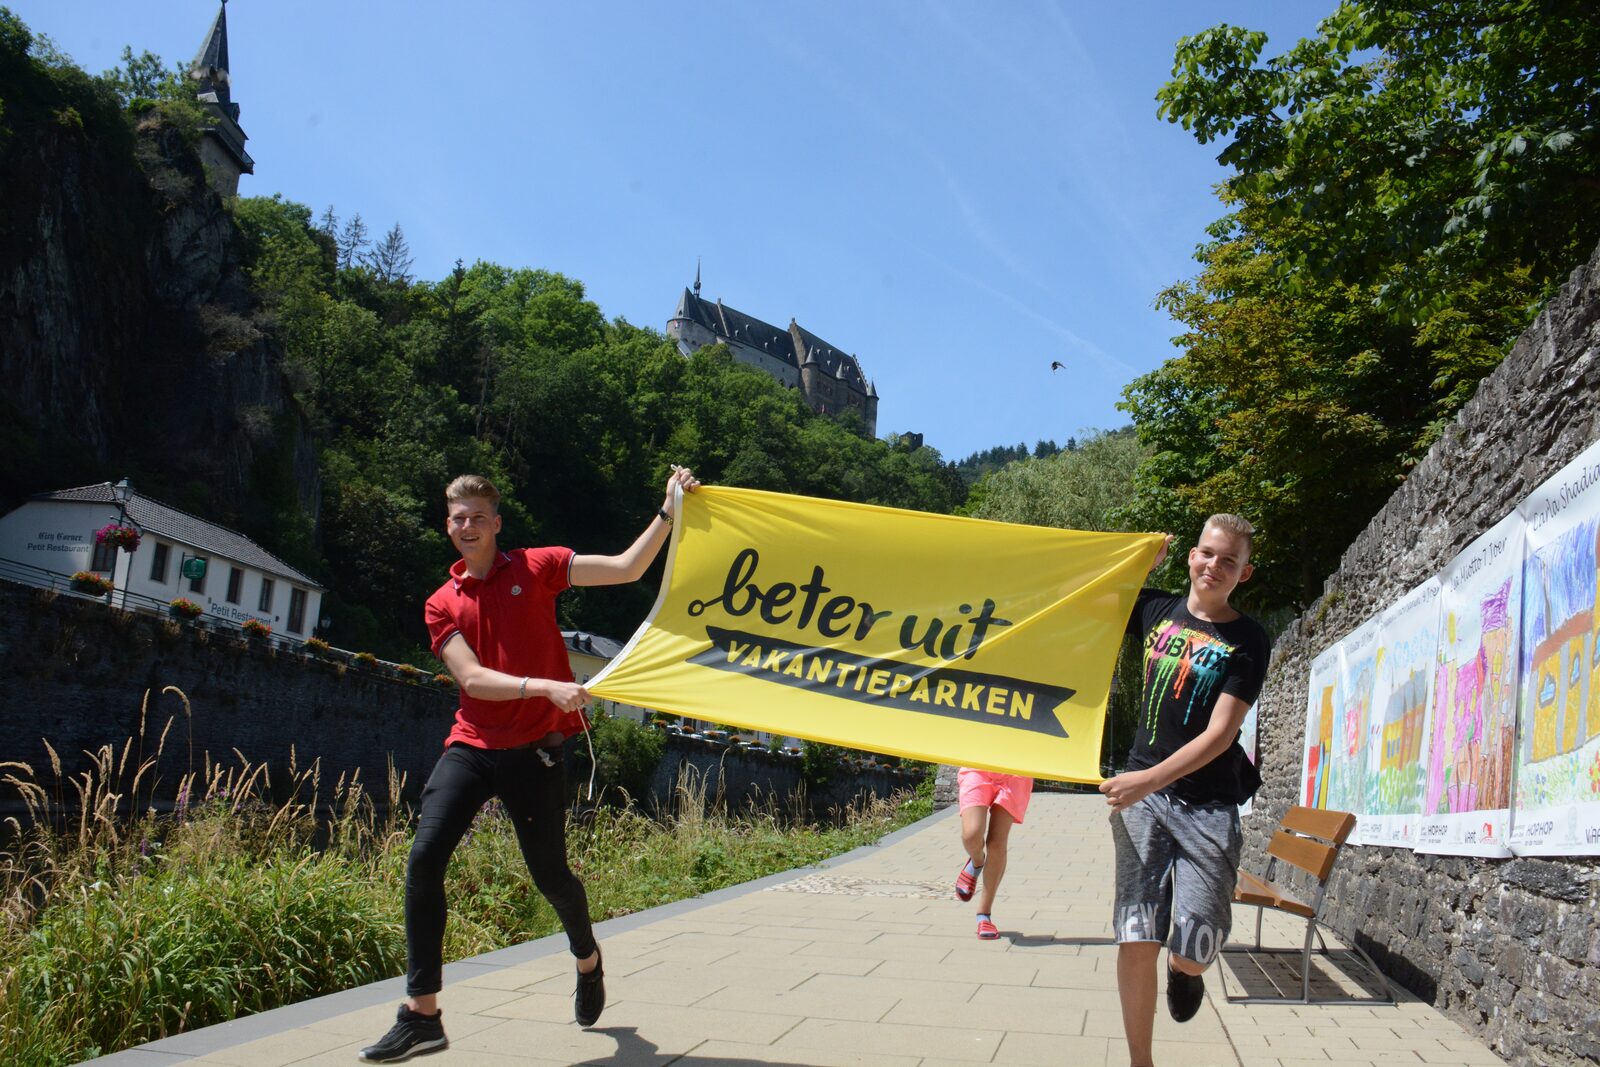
(51, 536)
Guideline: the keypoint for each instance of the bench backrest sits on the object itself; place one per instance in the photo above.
(1309, 838)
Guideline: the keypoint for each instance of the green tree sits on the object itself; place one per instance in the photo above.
(146, 77)
(1430, 143)
(1409, 185)
(1078, 490)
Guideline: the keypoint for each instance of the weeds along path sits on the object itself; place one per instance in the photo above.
(125, 919)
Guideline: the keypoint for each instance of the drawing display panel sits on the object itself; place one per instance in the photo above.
(1397, 739)
(1247, 741)
(1467, 789)
(1359, 675)
(1322, 698)
(1556, 802)
(1339, 710)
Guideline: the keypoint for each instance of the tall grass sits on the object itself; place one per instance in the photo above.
(132, 908)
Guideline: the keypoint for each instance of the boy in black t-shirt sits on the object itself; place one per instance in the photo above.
(1174, 817)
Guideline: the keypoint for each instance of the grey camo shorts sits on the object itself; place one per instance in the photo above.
(1177, 864)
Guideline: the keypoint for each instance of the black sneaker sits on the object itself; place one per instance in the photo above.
(411, 1034)
(1184, 994)
(591, 993)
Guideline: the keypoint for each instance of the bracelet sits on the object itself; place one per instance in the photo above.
(664, 516)
(522, 690)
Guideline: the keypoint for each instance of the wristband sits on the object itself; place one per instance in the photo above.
(522, 690)
(664, 516)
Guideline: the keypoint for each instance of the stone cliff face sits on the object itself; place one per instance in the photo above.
(129, 337)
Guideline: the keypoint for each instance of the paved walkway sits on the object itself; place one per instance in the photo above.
(867, 960)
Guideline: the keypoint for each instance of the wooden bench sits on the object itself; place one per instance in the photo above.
(1308, 839)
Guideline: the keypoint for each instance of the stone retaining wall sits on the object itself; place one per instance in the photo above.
(77, 673)
(1509, 947)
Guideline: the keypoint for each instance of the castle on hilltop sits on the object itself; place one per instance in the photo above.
(828, 377)
(222, 147)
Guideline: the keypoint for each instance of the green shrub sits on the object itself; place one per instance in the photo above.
(626, 753)
(819, 762)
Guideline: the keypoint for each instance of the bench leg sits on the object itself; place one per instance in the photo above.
(1305, 961)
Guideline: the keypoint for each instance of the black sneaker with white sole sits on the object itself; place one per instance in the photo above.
(591, 993)
(1185, 992)
(411, 1035)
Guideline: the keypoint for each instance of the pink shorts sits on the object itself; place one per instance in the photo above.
(984, 789)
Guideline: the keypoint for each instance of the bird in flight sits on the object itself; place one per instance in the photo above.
(1056, 364)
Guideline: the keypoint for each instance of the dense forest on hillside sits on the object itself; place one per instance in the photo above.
(974, 467)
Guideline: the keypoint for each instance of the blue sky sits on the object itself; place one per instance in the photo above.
(959, 194)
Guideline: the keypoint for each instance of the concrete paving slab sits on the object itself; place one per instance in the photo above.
(866, 959)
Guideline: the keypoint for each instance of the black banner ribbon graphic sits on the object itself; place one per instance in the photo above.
(970, 696)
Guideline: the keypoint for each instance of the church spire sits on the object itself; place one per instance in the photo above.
(210, 66)
(696, 275)
(222, 147)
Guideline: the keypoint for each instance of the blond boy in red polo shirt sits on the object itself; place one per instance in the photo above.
(493, 623)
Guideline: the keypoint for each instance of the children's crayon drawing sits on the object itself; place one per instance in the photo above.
(1472, 720)
(1556, 808)
(1334, 771)
(1321, 700)
(1396, 748)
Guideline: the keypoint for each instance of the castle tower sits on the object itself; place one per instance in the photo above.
(830, 379)
(222, 147)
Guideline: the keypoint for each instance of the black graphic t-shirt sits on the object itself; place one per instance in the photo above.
(1188, 664)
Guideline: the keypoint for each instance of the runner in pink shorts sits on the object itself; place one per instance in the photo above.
(990, 804)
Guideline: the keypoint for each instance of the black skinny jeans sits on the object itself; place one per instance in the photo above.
(534, 796)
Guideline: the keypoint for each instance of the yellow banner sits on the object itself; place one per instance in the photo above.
(960, 641)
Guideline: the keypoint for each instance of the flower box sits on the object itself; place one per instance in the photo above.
(184, 608)
(257, 629)
(316, 646)
(90, 583)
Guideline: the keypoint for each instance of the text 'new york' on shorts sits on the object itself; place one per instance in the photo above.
(1177, 865)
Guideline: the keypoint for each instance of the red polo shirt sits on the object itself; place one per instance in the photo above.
(509, 619)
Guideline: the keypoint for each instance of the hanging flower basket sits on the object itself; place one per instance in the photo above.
(91, 583)
(123, 537)
(184, 608)
(256, 628)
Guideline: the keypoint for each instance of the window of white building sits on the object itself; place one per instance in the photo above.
(104, 558)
